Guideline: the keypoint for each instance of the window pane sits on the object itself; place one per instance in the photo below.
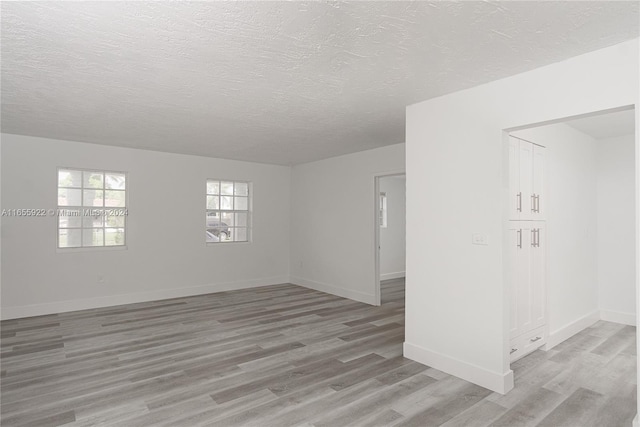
(241, 189)
(92, 221)
(212, 236)
(114, 236)
(241, 203)
(226, 202)
(114, 181)
(226, 187)
(241, 220)
(69, 178)
(240, 235)
(213, 187)
(114, 221)
(92, 198)
(93, 180)
(71, 220)
(69, 238)
(114, 198)
(213, 202)
(69, 197)
(92, 237)
(213, 218)
(227, 219)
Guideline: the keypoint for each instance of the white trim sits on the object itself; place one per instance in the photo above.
(396, 275)
(335, 290)
(618, 317)
(569, 330)
(108, 301)
(377, 297)
(636, 422)
(500, 383)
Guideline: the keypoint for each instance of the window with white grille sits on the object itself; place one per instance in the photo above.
(92, 208)
(228, 211)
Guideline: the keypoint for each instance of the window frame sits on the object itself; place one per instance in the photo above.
(382, 209)
(82, 187)
(248, 211)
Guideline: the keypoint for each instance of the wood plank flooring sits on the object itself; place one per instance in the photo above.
(283, 356)
(392, 291)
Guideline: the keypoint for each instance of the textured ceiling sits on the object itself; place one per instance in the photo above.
(273, 82)
(608, 125)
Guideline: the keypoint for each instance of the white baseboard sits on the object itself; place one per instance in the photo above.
(500, 383)
(334, 290)
(113, 300)
(618, 317)
(569, 330)
(390, 276)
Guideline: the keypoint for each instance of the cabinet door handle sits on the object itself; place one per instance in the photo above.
(519, 202)
(537, 203)
(533, 203)
(519, 244)
(513, 350)
(535, 339)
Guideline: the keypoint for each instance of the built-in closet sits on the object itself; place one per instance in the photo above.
(526, 251)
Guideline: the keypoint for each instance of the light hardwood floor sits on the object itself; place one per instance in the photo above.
(285, 355)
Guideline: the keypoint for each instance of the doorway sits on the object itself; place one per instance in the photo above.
(390, 238)
(581, 222)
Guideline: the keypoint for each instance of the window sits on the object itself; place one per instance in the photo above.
(92, 208)
(383, 210)
(227, 213)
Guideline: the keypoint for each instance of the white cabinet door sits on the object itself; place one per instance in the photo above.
(526, 276)
(515, 196)
(538, 182)
(519, 278)
(526, 179)
(537, 262)
(515, 243)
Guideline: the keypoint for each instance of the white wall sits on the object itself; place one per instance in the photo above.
(332, 221)
(572, 223)
(392, 237)
(166, 254)
(616, 222)
(456, 311)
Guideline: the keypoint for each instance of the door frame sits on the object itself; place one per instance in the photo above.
(376, 228)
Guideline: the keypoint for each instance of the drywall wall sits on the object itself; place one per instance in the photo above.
(457, 184)
(572, 223)
(616, 222)
(166, 254)
(392, 237)
(333, 219)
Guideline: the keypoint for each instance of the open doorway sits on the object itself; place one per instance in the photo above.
(570, 251)
(390, 211)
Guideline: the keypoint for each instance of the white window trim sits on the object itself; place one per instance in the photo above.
(76, 249)
(382, 209)
(248, 211)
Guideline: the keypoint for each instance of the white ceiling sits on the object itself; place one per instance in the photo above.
(608, 125)
(273, 82)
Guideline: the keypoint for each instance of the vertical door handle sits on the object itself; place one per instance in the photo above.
(519, 202)
(537, 203)
(533, 237)
(519, 244)
(533, 203)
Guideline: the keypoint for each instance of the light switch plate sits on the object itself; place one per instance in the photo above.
(479, 239)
